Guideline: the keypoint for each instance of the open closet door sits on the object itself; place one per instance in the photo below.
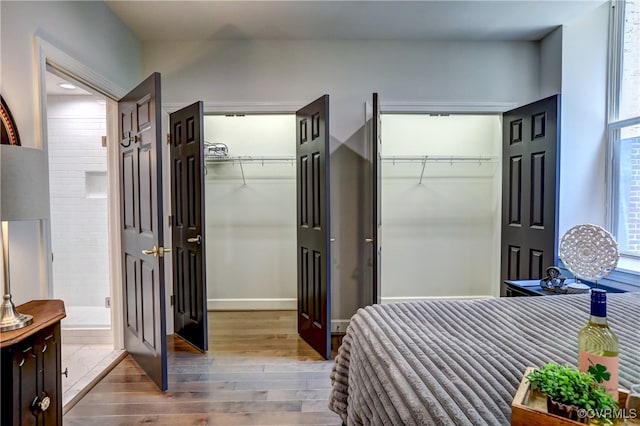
(140, 170)
(376, 241)
(530, 168)
(187, 207)
(312, 174)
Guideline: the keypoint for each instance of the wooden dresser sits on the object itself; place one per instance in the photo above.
(31, 367)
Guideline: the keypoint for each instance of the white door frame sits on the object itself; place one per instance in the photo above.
(461, 108)
(48, 54)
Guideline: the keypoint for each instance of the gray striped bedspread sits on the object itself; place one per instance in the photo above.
(459, 362)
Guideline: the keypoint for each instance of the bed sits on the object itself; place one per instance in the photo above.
(459, 362)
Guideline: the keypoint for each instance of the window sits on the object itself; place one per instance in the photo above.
(624, 127)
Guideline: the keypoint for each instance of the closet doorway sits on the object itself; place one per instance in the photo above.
(440, 206)
(250, 205)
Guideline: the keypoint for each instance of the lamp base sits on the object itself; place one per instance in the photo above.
(10, 319)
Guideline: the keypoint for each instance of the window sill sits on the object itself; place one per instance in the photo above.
(620, 280)
(629, 264)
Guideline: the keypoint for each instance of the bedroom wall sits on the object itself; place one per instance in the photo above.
(583, 111)
(551, 64)
(92, 34)
(289, 74)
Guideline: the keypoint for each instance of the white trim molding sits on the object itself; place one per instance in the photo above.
(49, 55)
(66, 64)
(282, 304)
(240, 107)
(445, 107)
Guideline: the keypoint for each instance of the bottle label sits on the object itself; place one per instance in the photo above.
(603, 368)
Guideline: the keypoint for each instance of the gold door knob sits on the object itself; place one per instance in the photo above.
(369, 240)
(153, 251)
(157, 251)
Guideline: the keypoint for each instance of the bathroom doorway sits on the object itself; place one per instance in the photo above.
(76, 122)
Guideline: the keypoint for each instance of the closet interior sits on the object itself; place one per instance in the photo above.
(441, 186)
(250, 198)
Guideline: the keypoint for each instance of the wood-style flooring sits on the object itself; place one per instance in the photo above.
(257, 372)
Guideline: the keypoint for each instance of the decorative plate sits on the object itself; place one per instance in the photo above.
(589, 251)
(8, 129)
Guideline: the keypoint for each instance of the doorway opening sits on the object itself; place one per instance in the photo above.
(441, 206)
(76, 146)
(250, 199)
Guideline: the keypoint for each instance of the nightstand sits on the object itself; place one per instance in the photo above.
(31, 364)
(521, 288)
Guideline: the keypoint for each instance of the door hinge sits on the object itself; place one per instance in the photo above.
(171, 299)
(104, 141)
(169, 221)
(168, 137)
(107, 302)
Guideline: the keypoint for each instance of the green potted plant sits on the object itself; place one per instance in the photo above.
(568, 391)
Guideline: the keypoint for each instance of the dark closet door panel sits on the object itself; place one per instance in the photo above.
(531, 140)
(312, 180)
(188, 231)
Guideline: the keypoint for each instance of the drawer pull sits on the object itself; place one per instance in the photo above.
(21, 363)
(44, 349)
(40, 404)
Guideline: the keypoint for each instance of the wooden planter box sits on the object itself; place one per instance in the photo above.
(530, 408)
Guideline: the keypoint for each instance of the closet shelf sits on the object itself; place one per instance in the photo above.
(424, 159)
(248, 159)
(439, 158)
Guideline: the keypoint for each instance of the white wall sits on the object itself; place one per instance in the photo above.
(439, 235)
(87, 31)
(251, 223)
(78, 191)
(288, 74)
(349, 71)
(583, 118)
(551, 64)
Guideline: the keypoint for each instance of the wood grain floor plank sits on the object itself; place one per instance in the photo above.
(257, 372)
(222, 419)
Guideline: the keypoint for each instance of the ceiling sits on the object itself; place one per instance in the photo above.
(53, 81)
(346, 20)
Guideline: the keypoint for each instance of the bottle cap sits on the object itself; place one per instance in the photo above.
(598, 302)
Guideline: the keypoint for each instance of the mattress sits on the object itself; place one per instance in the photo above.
(459, 362)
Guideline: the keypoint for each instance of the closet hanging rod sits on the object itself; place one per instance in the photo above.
(249, 158)
(438, 158)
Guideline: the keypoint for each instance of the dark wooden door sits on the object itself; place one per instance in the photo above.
(314, 280)
(530, 170)
(376, 146)
(187, 207)
(141, 214)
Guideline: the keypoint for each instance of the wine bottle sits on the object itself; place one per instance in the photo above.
(598, 345)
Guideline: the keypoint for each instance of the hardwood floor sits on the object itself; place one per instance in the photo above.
(257, 372)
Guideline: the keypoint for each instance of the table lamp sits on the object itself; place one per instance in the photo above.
(23, 196)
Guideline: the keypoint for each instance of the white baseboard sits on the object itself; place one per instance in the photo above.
(87, 336)
(284, 304)
(400, 299)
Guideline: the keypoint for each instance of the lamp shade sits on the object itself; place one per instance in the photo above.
(24, 192)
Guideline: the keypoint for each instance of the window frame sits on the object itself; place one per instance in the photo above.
(629, 261)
